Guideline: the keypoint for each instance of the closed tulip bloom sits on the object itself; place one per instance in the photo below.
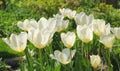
(85, 33)
(67, 13)
(39, 38)
(116, 32)
(63, 57)
(17, 42)
(82, 18)
(99, 27)
(107, 40)
(95, 60)
(68, 39)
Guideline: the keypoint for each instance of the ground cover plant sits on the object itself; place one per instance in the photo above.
(66, 40)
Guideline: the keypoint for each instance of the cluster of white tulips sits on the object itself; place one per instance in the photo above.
(40, 34)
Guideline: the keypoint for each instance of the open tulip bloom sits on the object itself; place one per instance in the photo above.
(27, 24)
(68, 39)
(39, 38)
(95, 60)
(23, 25)
(63, 57)
(49, 24)
(85, 33)
(42, 23)
(99, 27)
(60, 23)
(82, 18)
(67, 13)
(107, 29)
(17, 42)
(107, 40)
(116, 32)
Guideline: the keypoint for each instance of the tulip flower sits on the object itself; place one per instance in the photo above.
(42, 23)
(52, 25)
(85, 33)
(63, 57)
(95, 61)
(67, 13)
(49, 24)
(99, 27)
(39, 38)
(60, 23)
(27, 24)
(17, 42)
(107, 29)
(116, 32)
(23, 25)
(107, 40)
(82, 19)
(32, 25)
(68, 39)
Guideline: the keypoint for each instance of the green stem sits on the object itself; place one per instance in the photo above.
(65, 68)
(108, 59)
(40, 56)
(82, 48)
(29, 60)
(71, 59)
(95, 69)
(22, 67)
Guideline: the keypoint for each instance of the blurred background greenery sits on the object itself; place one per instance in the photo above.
(12, 11)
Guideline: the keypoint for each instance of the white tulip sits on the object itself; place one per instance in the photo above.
(17, 42)
(95, 60)
(52, 25)
(67, 13)
(85, 33)
(42, 23)
(116, 32)
(23, 25)
(27, 24)
(107, 29)
(82, 18)
(99, 27)
(58, 16)
(49, 24)
(63, 57)
(39, 38)
(68, 39)
(60, 23)
(33, 24)
(107, 40)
